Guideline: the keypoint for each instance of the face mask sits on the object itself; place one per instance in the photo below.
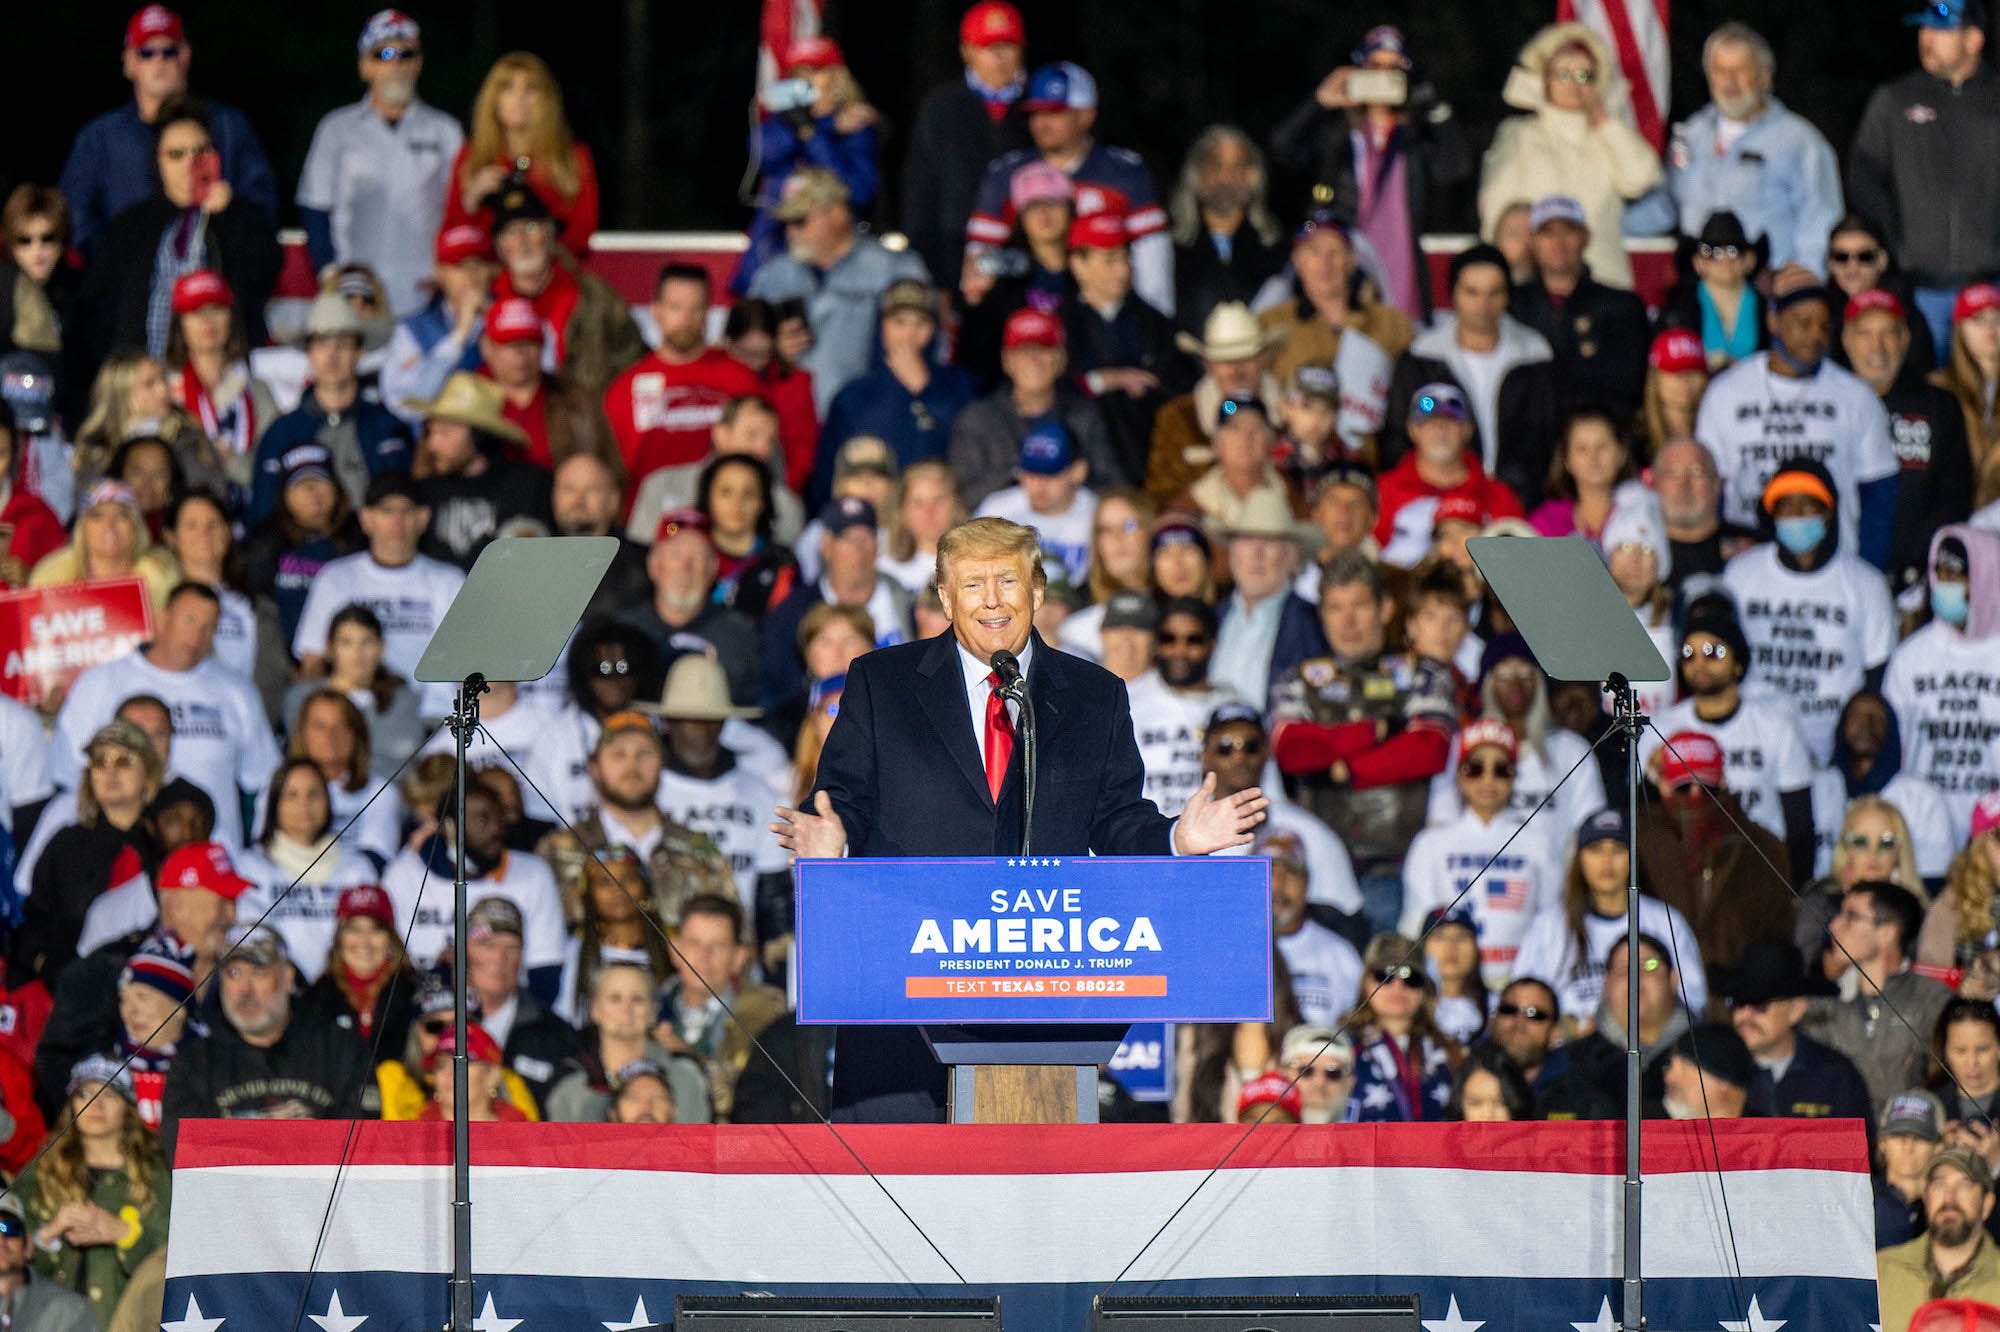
(1801, 536)
(1949, 602)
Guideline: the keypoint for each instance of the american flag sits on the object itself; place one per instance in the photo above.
(785, 22)
(1506, 892)
(1637, 30)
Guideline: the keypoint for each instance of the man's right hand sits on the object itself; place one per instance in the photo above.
(1332, 90)
(817, 834)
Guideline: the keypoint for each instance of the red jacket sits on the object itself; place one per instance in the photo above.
(17, 1092)
(37, 530)
(1408, 505)
(791, 396)
(661, 414)
(577, 217)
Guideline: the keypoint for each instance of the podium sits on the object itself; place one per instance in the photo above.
(1024, 972)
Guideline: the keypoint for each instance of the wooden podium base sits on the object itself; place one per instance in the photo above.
(1023, 1094)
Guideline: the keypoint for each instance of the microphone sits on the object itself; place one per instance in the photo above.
(1008, 667)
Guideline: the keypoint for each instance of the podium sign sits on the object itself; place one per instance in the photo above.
(1045, 939)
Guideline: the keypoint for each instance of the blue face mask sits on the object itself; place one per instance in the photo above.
(1949, 603)
(1801, 536)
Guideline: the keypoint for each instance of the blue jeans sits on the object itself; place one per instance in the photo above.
(1381, 896)
(1934, 304)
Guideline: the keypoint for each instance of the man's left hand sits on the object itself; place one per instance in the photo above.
(1207, 824)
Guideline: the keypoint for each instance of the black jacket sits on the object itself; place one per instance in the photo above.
(238, 243)
(1600, 339)
(1203, 279)
(317, 1070)
(539, 1044)
(75, 869)
(395, 1009)
(1927, 428)
(467, 512)
(951, 141)
(1913, 169)
(1532, 404)
(1315, 140)
(1818, 1084)
(795, 1089)
(1138, 337)
(84, 1019)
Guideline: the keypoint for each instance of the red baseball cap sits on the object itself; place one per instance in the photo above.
(1459, 509)
(675, 521)
(1690, 756)
(202, 865)
(203, 287)
(1677, 350)
(1975, 299)
(1029, 327)
(467, 240)
(1986, 814)
(366, 899)
(1488, 731)
(992, 22)
(150, 22)
(1268, 1089)
(479, 1044)
(1099, 231)
(513, 320)
(815, 52)
(1875, 298)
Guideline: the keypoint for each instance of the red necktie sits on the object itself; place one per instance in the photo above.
(999, 736)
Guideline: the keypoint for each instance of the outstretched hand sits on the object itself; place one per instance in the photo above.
(1207, 824)
(816, 834)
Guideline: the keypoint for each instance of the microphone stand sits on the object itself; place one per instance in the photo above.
(1017, 689)
(1628, 719)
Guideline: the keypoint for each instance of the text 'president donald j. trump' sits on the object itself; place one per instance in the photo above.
(924, 760)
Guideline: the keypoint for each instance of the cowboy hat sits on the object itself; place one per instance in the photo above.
(1232, 333)
(696, 690)
(1265, 514)
(473, 401)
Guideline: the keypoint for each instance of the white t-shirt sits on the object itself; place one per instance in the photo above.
(24, 757)
(1534, 777)
(734, 810)
(523, 879)
(236, 633)
(1914, 798)
(1813, 636)
(1082, 632)
(548, 746)
(1169, 725)
(1548, 954)
(409, 600)
(378, 829)
(1481, 373)
(1330, 877)
(1326, 973)
(1763, 754)
(1945, 688)
(1065, 536)
(304, 916)
(1522, 882)
(222, 739)
(1752, 419)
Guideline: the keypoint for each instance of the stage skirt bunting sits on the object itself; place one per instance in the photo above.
(1496, 1227)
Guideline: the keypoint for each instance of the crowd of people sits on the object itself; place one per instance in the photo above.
(1253, 448)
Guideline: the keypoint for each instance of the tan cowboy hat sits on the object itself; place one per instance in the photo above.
(472, 401)
(697, 690)
(1264, 514)
(1232, 333)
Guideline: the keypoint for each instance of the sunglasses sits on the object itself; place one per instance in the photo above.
(1719, 251)
(1583, 77)
(391, 54)
(171, 51)
(1887, 841)
(1226, 748)
(1331, 1072)
(1406, 976)
(1532, 1012)
(436, 1026)
(1184, 640)
(38, 238)
(1500, 769)
(1867, 256)
(618, 667)
(192, 150)
(112, 762)
(1713, 651)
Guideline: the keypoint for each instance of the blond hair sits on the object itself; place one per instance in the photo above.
(902, 544)
(991, 539)
(1906, 875)
(1969, 885)
(549, 142)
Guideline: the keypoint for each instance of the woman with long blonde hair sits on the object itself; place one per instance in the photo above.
(926, 506)
(98, 1198)
(518, 125)
(1963, 925)
(110, 542)
(131, 397)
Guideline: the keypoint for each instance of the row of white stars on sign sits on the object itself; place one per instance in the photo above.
(337, 1319)
(1454, 1321)
(1035, 862)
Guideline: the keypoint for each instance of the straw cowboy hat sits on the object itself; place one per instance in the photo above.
(1264, 514)
(471, 400)
(1232, 333)
(697, 690)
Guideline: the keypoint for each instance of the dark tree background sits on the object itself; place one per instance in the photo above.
(661, 90)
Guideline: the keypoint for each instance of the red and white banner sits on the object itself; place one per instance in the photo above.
(1637, 31)
(784, 22)
(51, 635)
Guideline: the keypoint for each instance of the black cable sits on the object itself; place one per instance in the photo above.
(1412, 958)
(727, 1007)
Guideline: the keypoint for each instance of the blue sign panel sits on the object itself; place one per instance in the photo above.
(1040, 939)
(1144, 1064)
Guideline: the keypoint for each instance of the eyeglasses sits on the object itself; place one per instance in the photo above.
(171, 51)
(38, 238)
(1868, 256)
(192, 150)
(1500, 768)
(391, 54)
(1678, 474)
(1713, 651)
(1853, 917)
(1112, 529)
(617, 667)
(1749, 1005)
(1582, 77)
(1532, 1012)
(1885, 841)
(1183, 640)
(1405, 976)
(113, 762)
(1247, 745)
(1516, 674)
(1718, 251)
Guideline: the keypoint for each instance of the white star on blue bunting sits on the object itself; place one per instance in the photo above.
(1453, 1321)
